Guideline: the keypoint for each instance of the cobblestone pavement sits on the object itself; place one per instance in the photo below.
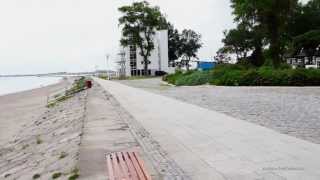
(289, 110)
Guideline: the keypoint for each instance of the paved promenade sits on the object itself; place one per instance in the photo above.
(289, 110)
(210, 145)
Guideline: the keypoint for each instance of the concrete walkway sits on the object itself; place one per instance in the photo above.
(103, 132)
(211, 145)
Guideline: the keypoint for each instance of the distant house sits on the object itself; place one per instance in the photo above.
(302, 59)
(132, 63)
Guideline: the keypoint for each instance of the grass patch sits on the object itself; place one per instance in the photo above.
(104, 77)
(73, 177)
(36, 176)
(63, 155)
(25, 146)
(239, 75)
(74, 174)
(39, 140)
(56, 175)
(78, 86)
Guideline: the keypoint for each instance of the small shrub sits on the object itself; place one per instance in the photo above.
(75, 170)
(39, 141)
(75, 174)
(36, 176)
(25, 146)
(63, 155)
(73, 177)
(56, 175)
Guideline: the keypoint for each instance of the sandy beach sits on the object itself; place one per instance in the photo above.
(39, 141)
(20, 108)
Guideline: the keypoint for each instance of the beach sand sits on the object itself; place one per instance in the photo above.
(20, 108)
(41, 142)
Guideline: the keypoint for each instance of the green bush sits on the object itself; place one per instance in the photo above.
(268, 76)
(36, 176)
(239, 75)
(56, 175)
(171, 78)
(193, 78)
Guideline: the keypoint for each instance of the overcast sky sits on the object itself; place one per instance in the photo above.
(38, 36)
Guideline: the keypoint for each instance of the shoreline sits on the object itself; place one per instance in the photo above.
(33, 88)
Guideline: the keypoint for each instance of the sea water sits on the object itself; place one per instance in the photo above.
(10, 85)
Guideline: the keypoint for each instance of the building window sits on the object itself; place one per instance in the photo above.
(134, 73)
(133, 60)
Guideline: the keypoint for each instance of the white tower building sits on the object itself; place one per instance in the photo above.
(159, 59)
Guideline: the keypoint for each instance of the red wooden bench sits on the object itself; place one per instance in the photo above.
(126, 166)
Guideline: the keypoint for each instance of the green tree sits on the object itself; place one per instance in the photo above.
(237, 41)
(304, 28)
(309, 41)
(139, 24)
(190, 43)
(306, 18)
(246, 38)
(174, 43)
(271, 15)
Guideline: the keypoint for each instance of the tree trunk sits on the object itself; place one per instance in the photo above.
(145, 59)
(275, 51)
(257, 57)
(275, 42)
(187, 64)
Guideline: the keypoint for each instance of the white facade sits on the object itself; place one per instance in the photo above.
(314, 62)
(159, 59)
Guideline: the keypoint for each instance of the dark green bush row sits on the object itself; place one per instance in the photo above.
(237, 75)
(190, 78)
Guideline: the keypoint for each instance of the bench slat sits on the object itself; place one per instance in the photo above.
(136, 166)
(110, 169)
(115, 165)
(142, 166)
(126, 166)
(132, 170)
(123, 165)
